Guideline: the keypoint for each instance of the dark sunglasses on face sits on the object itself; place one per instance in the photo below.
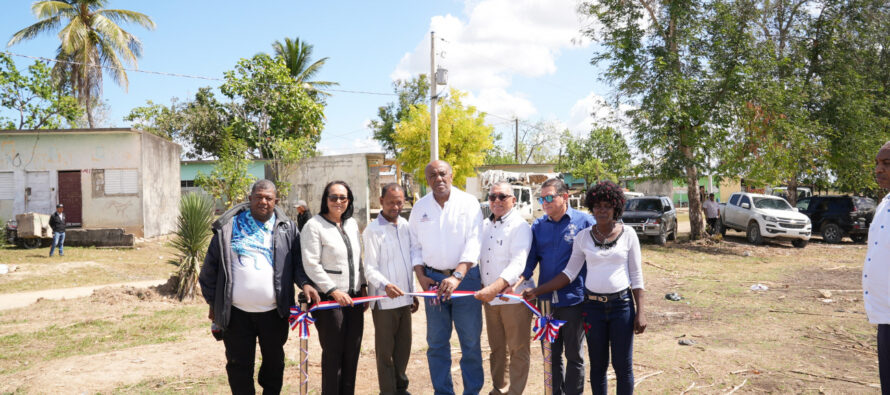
(548, 199)
(500, 196)
(336, 198)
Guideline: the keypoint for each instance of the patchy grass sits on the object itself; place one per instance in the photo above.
(82, 266)
(205, 385)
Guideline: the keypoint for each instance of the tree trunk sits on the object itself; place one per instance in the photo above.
(695, 214)
(792, 191)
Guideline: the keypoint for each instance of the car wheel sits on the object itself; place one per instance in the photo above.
(673, 235)
(799, 243)
(753, 234)
(859, 238)
(661, 238)
(721, 227)
(31, 243)
(832, 233)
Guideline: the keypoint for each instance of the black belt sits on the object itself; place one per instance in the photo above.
(607, 297)
(446, 272)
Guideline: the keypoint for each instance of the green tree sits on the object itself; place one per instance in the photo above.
(463, 138)
(602, 154)
(158, 119)
(411, 93)
(190, 241)
(92, 38)
(297, 56)
(229, 181)
(38, 103)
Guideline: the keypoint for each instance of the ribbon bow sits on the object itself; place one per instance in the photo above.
(547, 328)
(300, 319)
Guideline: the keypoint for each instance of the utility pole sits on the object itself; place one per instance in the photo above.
(434, 126)
(516, 142)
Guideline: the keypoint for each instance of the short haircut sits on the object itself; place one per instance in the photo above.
(324, 200)
(506, 184)
(606, 191)
(560, 185)
(710, 195)
(263, 185)
(390, 187)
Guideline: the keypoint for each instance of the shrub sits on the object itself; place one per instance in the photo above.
(191, 239)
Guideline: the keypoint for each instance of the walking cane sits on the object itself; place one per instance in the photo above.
(304, 352)
(546, 310)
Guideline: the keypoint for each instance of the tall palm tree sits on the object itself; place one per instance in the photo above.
(91, 40)
(297, 56)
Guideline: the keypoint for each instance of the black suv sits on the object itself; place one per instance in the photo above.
(652, 216)
(838, 216)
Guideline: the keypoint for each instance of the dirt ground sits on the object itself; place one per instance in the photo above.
(807, 333)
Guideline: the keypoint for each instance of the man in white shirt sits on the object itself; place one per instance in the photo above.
(506, 238)
(712, 211)
(876, 292)
(388, 268)
(445, 227)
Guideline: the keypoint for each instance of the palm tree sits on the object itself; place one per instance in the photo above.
(91, 40)
(297, 55)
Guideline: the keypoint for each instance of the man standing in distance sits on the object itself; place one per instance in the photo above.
(445, 227)
(877, 268)
(57, 223)
(552, 238)
(506, 238)
(303, 214)
(712, 212)
(387, 260)
(248, 280)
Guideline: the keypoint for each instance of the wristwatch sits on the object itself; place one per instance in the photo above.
(458, 275)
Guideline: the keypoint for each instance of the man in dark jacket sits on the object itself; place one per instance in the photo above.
(57, 222)
(304, 214)
(248, 278)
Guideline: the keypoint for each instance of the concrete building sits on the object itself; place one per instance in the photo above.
(107, 178)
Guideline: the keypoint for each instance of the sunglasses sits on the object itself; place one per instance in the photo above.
(500, 196)
(337, 198)
(548, 199)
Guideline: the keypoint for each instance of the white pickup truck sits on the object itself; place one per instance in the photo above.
(763, 216)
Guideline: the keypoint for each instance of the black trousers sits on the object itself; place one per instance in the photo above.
(884, 357)
(240, 340)
(340, 335)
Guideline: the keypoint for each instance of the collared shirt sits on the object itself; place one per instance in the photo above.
(609, 270)
(388, 260)
(443, 237)
(253, 287)
(505, 244)
(876, 271)
(551, 247)
(712, 210)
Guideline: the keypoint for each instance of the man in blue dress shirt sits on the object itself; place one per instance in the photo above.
(552, 237)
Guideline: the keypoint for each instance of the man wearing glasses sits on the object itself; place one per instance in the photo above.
(444, 228)
(552, 238)
(506, 238)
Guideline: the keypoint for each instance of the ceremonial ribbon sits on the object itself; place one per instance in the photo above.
(545, 328)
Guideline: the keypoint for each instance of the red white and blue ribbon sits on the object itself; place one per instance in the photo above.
(545, 328)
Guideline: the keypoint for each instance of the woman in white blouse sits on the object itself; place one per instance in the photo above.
(331, 246)
(613, 309)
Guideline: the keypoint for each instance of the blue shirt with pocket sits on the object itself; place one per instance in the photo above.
(551, 247)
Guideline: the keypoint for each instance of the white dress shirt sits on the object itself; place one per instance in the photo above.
(388, 260)
(443, 237)
(609, 270)
(505, 245)
(876, 272)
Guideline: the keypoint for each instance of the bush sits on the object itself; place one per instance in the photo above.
(192, 237)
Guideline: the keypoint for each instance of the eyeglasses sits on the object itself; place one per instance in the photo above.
(548, 199)
(337, 198)
(500, 196)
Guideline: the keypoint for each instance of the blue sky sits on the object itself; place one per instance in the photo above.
(515, 58)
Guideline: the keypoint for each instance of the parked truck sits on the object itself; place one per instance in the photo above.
(764, 217)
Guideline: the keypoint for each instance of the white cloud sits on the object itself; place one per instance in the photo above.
(593, 109)
(358, 145)
(500, 103)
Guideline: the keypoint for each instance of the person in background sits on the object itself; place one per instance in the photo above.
(303, 214)
(712, 212)
(332, 253)
(387, 260)
(506, 238)
(610, 251)
(552, 238)
(876, 269)
(57, 223)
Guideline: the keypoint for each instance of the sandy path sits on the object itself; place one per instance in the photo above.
(22, 299)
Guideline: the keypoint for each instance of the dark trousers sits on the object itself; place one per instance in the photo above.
(392, 343)
(340, 336)
(712, 225)
(240, 340)
(610, 327)
(884, 357)
(571, 380)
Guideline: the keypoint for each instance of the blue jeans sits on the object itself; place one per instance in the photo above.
(58, 240)
(610, 326)
(466, 315)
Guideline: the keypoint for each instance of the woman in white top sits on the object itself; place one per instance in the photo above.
(614, 281)
(331, 246)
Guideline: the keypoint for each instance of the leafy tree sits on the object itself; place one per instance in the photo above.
(603, 154)
(463, 138)
(297, 56)
(158, 119)
(411, 93)
(229, 181)
(92, 38)
(190, 241)
(284, 155)
(38, 103)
